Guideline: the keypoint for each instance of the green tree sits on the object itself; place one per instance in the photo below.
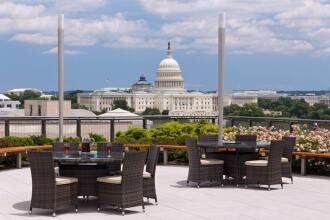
(265, 103)
(122, 103)
(27, 95)
(165, 112)
(251, 110)
(73, 97)
(151, 111)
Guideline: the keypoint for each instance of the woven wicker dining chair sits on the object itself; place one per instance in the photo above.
(209, 153)
(149, 187)
(58, 146)
(48, 191)
(74, 147)
(126, 190)
(250, 140)
(290, 142)
(202, 170)
(117, 148)
(266, 172)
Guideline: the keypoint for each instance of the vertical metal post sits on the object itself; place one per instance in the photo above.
(303, 166)
(213, 120)
(60, 52)
(78, 128)
(43, 127)
(19, 160)
(112, 130)
(270, 124)
(250, 123)
(291, 127)
(144, 123)
(221, 53)
(165, 154)
(7, 128)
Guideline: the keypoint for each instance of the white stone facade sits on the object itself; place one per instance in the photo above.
(167, 93)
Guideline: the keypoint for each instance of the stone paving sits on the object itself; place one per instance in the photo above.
(308, 198)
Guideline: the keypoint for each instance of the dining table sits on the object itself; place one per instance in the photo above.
(86, 166)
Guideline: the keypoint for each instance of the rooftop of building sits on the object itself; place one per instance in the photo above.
(307, 198)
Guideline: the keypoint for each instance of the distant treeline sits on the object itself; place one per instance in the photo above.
(283, 107)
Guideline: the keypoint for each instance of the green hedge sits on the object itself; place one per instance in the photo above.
(175, 133)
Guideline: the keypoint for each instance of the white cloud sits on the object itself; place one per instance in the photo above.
(68, 52)
(11, 10)
(34, 38)
(78, 5)
(255, 26)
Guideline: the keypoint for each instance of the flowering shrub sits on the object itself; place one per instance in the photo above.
(174, 133)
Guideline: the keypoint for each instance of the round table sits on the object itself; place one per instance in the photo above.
(87, 167)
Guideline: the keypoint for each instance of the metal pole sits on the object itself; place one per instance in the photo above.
(60, 53)
(221, 53)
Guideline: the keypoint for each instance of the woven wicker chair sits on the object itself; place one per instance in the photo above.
(209, 138)
(74, 147)
(250, 140)
(201, 170)
(290, 142)
(149, 188)
(126, 190)
(266, 172)
(117, 148)
(58, 146)
(48, 191)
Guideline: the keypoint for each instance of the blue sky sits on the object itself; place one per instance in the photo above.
(270, 44)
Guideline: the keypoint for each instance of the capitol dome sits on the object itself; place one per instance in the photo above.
(169, 76)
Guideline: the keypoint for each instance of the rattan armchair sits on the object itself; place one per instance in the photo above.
(149, 188)
(58, 146)
(266, 172)
(202, 170)
(74, 147)
(117, 148)
(287, 157)
(126, 190)
(48, 191)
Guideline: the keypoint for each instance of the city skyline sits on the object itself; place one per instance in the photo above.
(270, 46)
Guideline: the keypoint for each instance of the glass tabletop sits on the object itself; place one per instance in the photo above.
(93, 156)
(233, 144)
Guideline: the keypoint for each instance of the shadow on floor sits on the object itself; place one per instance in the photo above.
(84, 206)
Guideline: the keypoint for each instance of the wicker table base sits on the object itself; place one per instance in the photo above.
(87, 175)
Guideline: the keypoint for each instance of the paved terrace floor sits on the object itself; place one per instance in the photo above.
(308, 198)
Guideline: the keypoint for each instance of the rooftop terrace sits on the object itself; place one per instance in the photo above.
(308, 198)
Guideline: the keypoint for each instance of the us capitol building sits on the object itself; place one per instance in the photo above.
(167, 93)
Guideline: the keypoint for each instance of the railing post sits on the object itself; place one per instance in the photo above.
(112, 130)
(7, 132)
(270, 124)
(144, 123)
(303, 165)
(250, 123)
(165, 152)
(78, 128)
(291, 128)
(232, 122)
(19, 160)
(43, 127)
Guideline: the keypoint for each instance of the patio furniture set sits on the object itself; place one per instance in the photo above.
(239, 160)
(116, 178)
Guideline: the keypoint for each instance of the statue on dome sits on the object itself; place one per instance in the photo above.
(169, 45)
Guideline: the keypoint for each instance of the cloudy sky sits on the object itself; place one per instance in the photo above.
(270, 44)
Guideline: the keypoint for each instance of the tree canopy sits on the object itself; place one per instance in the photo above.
(122, 103)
